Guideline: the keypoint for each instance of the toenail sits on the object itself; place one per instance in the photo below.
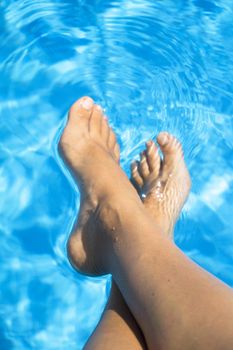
(87, 103)
(99, 108)
(150, 148)
(149, 143)
(163, 138)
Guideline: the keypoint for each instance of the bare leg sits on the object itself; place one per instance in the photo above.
(117, 328)
(176, 304)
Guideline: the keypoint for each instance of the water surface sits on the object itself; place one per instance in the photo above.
(153, 65)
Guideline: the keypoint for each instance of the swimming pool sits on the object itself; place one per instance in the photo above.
(153, 65)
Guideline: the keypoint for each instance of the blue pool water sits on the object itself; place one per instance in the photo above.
(153, 65)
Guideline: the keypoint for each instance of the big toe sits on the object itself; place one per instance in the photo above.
(81, 110)
(172, 152)
(78, 120)
(95, 122)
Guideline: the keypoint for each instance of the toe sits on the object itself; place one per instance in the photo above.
(95, 122)
(163, 138)
(153, 157)
(111, 139)
(143, 166)
(78, 119)
(105, 129)
(116, 151)
(171, 149)
(136, 178)
(81, 110)
(169, 144)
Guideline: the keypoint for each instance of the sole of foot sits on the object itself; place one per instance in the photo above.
(163, 184)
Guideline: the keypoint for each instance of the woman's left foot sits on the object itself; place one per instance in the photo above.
(163, 185)
(89, 148)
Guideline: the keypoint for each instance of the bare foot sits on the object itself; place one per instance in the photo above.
(163, 185)
(88, 146)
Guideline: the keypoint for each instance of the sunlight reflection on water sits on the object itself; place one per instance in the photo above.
(153, 66)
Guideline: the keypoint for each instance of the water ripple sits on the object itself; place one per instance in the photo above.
(153, 65)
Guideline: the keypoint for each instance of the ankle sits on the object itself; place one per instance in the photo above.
(114, 213)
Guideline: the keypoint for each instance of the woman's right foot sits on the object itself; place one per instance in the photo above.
(163, 185)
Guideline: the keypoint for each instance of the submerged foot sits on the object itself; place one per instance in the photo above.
(88, 146)
(163, 185)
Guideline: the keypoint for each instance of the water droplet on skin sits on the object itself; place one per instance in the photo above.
(158, 185)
